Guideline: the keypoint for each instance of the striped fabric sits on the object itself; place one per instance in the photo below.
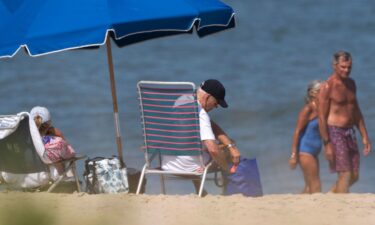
(169, 113)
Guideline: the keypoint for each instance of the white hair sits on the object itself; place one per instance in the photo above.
(313, 86)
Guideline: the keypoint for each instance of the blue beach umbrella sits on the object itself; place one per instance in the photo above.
(47, 26)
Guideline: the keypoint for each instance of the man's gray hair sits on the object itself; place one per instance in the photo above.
(346, 56)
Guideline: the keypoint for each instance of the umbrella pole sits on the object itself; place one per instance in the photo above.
(114, 101)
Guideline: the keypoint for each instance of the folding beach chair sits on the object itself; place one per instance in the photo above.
(22, 165)
(170, 119)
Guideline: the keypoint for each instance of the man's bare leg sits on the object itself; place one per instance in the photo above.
(333, 188)
(354, 177)
(343, 182)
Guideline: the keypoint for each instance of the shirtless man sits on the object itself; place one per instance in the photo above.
(339, 113)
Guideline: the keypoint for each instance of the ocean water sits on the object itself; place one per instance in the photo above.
(265, 64)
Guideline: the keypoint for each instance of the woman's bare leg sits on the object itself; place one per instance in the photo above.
(310, 168)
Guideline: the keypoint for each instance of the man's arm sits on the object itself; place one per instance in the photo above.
(217, 155)
(226, 141)
(360, 124)
(323, 113)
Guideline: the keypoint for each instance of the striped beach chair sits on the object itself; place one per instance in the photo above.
(170, 119)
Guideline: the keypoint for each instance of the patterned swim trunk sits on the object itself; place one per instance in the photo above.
(345, 149)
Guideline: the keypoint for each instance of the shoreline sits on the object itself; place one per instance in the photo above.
(116, 209)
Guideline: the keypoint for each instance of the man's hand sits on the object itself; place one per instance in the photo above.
(329, 152)
(217, 155)
(366, 148)
(235, 153)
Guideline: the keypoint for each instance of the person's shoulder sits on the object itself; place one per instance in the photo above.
(54, 131)
(326, 85)
(50, 130)
(184, 99)
(330, 81)
(306, 110)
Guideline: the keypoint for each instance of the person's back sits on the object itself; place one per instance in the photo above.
(190, 163)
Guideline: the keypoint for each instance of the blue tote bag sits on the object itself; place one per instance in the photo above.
(246, 179)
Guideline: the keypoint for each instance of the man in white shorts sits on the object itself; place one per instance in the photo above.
(210, 94)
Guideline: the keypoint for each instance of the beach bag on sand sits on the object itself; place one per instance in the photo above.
(245, 180)
(105, 175)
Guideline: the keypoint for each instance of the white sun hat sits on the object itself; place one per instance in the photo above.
(42, 112)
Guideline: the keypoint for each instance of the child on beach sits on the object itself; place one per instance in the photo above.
(56, 147)
(307, 144)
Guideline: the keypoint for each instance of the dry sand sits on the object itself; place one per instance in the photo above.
(17, 208)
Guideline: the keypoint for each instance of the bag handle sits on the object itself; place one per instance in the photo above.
(216, 178)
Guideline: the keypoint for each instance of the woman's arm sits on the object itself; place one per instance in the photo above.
(302, 120)
(55, 132)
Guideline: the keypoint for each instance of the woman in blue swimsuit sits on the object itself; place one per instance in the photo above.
(307, 144)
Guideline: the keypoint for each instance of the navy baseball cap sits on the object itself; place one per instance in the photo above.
(216, 89)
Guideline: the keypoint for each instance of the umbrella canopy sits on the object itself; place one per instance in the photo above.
(48, 26)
